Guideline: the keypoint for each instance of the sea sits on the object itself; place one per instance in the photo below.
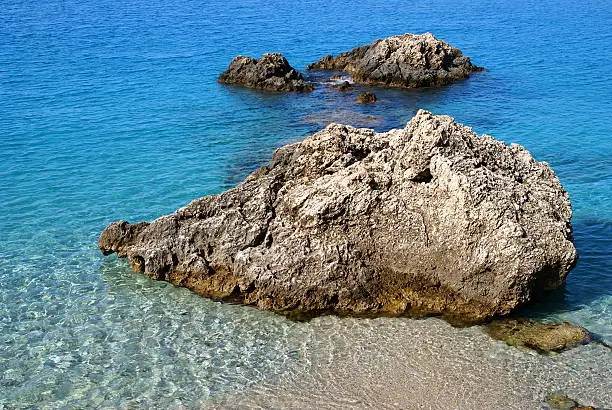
(110, 110)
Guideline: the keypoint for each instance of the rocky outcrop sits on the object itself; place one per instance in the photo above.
(542, 337)
(408, 60)
(272, 73)
(430, 219)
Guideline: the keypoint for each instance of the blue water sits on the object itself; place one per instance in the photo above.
(110, 110)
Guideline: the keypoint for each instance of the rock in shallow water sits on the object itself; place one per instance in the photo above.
(367, 97)
(430, 219)
(408, 60)
(542, 337)
(560, 401)
(272, 73)
(343, 86)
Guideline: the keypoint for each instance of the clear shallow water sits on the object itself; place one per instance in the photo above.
(110, 110)
(389, 363)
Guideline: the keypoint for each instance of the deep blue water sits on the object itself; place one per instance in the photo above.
(110, 110)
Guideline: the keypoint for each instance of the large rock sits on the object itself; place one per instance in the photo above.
(428, 219)
(408, 60)
(272, 73)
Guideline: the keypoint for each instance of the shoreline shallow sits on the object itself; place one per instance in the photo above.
(409, 363)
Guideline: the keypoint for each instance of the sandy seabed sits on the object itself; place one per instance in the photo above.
(425, 364)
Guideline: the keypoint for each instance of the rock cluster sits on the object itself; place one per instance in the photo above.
(407, 60)
(430, 219)
(272, 73)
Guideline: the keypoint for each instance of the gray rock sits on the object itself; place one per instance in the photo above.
(408, 60)
(430, 219)
(272, 73)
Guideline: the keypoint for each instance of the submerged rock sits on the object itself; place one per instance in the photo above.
(542, 337)
(407, 60)
(353, 118)
(560, 401)
(367, 97)
(343, 86)
(430, 219)
(272, 72)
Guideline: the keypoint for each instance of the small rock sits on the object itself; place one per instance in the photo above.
(560, 401)
(367, 98)
(272, 73)
(343, 86)
(542, 337)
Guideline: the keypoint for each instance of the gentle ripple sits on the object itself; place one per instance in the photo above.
(403, 363)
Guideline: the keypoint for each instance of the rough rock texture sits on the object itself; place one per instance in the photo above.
(272, 72)
(408, 60)
(543, 337)
(428, 219)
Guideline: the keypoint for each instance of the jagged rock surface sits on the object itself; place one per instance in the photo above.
(408, 60)
(428, 219)
(272, 73)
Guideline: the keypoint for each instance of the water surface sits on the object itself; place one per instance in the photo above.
(110, 110)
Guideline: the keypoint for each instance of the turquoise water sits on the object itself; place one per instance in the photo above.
(110, 110)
